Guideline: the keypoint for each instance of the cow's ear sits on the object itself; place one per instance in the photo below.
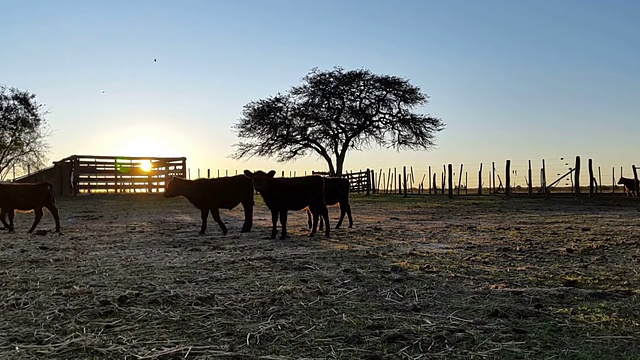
(248, 174)
(272, 173)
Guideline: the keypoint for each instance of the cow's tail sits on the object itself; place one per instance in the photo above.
(50, 187)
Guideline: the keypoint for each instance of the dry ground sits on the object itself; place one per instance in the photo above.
(473, 278)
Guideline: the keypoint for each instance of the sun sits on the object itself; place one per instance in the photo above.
(145, 165)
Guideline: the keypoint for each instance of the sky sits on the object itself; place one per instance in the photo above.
(520, 80)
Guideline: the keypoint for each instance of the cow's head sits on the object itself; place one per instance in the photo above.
(620, 182)
(172, 189)
(260, 178)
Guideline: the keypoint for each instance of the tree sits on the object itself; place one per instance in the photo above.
(23, 129)
(333, 112)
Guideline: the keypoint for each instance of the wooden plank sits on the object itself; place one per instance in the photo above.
(98, 157)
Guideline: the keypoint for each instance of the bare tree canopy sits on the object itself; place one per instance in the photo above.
(335, 111)
(23, 129)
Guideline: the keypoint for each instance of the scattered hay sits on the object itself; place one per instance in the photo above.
(135, 280)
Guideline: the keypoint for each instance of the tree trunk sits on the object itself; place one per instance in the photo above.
(332, 171)
(339, 165)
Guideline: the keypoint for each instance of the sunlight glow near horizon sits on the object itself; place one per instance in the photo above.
(511, 80)
(146, 166)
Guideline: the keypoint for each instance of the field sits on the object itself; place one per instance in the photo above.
(421, 277)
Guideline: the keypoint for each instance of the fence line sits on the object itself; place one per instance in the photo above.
(556, 176)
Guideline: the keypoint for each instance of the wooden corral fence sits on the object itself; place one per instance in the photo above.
(109, 174)
(502, 180)
(360, 182)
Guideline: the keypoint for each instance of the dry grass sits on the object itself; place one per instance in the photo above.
(471, 278)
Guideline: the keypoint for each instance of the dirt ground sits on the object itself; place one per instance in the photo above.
(422, 277)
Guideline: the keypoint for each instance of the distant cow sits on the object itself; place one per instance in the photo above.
(27, 196)
(630, 185)
(284, 194)
(336, 191)
(210, 195)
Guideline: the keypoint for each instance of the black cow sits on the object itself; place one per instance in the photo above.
(27, 196)
(336, 191)
(210, 195)
(284, 194)
(630, 185)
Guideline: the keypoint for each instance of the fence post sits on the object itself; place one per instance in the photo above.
(635, 177)
(375, 182)
(149, 182)
(430, 185)
(544, 178)
(613, 178)
(493, 174)
(76, 168)
(591, 177)
(577, 176)
(450, 180)
(395, 177)
(530, 180)
(435, 186)
(459, 181)
(480, 180)
(599, 188)
(411, 181)
(404, 180)
(368, 182)
(507, 179)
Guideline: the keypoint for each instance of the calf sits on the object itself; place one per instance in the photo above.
(27, 196)
(210, 195)
(281, 195)
(336, 191)
(630, 185)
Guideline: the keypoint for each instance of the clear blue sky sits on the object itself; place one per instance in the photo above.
(521, 80)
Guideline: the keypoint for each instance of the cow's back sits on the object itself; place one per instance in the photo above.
(25, 196)
(336, 190)
(295, 193)
(225, 192)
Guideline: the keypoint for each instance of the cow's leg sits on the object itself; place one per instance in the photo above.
(320, 211)
(204, 214)
(348, 211)
(248, 217)
(216, 216)
(324, 213)
(283, 223)
(274, 222)
(343, 211)
(12, 214)
(38, 212)
(309, 217)
(320, 223)
(314, 224)
(3, 217)
(56, 216)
